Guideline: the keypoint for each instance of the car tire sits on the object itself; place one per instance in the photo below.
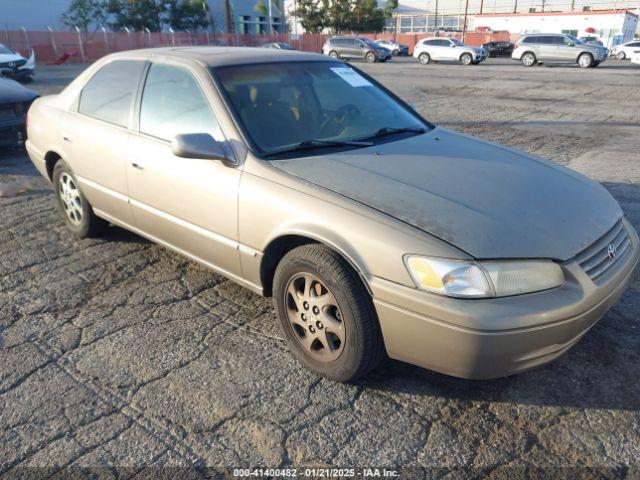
(370, 57)
(337, 337)
(396, 52)
(73, 206)
(466, 59)
(585, 60)
(334, 54)
(528, 59)
(621, 55)
(595, 64)
(424, 58)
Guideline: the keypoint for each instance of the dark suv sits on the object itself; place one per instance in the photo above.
(356, 47)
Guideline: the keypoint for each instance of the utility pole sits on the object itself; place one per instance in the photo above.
(515, 7)
(542, 6)
(464, 25)
(435, 18)
(481, 5)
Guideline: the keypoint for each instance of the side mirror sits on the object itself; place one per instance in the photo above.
(202, 146)
(453, 45)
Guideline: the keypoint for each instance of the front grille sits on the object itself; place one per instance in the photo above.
(13, 64)
(596, 260)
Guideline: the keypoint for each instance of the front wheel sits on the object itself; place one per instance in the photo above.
(370, 57)
(73, 206)
(466, 59)
(424, 58)
(333, 54)
(528, 59)
(585, 60)
(326, 315)
(621, 55)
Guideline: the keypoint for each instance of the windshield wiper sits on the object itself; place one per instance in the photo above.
(316, 143)
(384, 131)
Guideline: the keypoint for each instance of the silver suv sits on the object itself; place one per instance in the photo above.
(557, 48)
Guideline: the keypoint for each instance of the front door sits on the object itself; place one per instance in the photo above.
(188, 204)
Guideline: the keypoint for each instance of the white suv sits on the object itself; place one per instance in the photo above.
(447, 49)
(625, 50)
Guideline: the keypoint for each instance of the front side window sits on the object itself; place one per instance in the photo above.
(457, 42)
(109, 94)
(281, 105)
(173, 104)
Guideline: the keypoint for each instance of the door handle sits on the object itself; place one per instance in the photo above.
(137, 165)
(66, 137)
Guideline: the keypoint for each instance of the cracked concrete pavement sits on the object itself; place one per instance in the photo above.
(118, 354)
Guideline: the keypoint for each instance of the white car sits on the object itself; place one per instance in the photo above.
(635, 56)
(447, 49)
(14, 65)
(394, 47)
(625, 50)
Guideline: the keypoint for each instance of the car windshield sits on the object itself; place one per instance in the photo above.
(285, 46)
(457, 42)
(283, 105)
(575, 40)
(368, 41)
(4, 50)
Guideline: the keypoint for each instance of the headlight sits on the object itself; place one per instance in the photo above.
(493, 278)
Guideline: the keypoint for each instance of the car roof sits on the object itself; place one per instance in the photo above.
(544, 34)
(221, 56)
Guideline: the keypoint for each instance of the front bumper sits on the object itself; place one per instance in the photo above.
(18, 73)
(13, 131)
(489, 338)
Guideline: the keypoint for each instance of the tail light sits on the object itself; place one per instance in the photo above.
(515, 47)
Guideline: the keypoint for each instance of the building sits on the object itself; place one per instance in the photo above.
(41, 14)
(610, 26)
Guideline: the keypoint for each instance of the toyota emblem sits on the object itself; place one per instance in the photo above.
(612, 251)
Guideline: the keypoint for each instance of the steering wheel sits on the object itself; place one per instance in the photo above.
(336, 120)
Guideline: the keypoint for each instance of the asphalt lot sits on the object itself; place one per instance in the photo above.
(115, 352)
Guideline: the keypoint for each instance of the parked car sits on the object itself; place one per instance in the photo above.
(447, 49)
(375, 231)
(498, 49)
(557, 48)
(278, 46)
(624, 50)
(14, 104)
(355, 47)
(15, 66)
(395, 47)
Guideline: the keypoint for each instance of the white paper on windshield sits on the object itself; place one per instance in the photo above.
(352, 77)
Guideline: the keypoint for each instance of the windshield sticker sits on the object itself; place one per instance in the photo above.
(352, 77)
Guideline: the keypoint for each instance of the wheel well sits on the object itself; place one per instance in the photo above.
(51, 158)
(585, 53)
(274, 252)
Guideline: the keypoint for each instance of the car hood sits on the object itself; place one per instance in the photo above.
(488, 200)
(10, 57)
(11, 92)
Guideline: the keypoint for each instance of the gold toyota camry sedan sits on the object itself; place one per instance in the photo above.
(376, 232)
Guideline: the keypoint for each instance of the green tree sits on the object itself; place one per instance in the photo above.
(188, 15)
(138, 14)
(367, 17)
(311, 14)
(83, 13)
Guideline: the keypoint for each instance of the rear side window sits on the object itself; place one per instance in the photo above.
(529, 40)
(173, 103)
(109, 93)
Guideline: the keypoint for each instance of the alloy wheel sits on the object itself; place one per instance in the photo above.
(466, 59)
(71, 198)
(528, 59)
(315, 317)
(585, 60)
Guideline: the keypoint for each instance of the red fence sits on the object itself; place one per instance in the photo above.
(82, 47)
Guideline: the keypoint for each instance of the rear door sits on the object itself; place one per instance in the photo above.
(547, 49)
(95, 134)
(187, 204)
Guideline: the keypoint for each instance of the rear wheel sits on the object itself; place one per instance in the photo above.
(424, 58)
(528, 59)
(334, 54)
(370, 57)
(73, 206)
(466, 59)
(621, 56)
(585, 60)
(326, 315)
